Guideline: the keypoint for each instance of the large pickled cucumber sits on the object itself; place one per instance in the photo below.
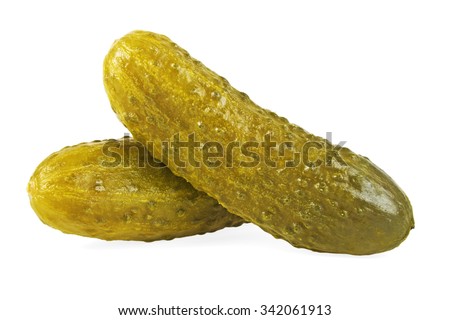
(334, 201)
(113, 190)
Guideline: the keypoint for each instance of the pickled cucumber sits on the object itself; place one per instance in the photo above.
(114, 190)
(332, 201)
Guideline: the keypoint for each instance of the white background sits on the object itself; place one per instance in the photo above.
(375, 73)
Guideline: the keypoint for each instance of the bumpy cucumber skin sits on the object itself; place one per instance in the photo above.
(158, 90)
(76, 191)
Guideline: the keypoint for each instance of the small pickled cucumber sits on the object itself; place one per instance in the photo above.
(342, 204)
(114, 190)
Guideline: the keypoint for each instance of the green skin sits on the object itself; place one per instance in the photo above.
(107, 190)
(344, 205)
